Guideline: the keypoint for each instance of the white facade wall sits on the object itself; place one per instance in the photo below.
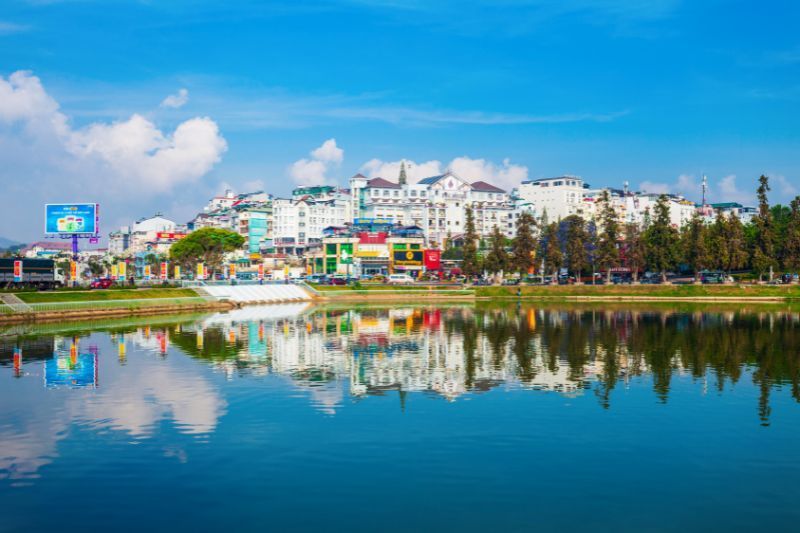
(558, 197)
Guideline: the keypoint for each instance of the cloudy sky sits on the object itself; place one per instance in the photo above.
(149, 106)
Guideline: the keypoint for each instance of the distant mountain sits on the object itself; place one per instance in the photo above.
(8, 243)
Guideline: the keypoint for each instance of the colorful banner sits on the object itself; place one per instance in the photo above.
(73, 270)
(114, 272)
(122, 268)
(177, 272)
(260, 271)
(147, 272)
(17, 271)
(201, 272)
(66, 219)
(164, 271)
(232, 271)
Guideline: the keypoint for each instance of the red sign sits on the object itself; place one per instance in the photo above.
(17, 271)
(169, 236)
(164, 270)
(372, 237)
(261, 271)
(433, 259)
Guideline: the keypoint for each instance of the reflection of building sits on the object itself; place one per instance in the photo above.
(70, 368)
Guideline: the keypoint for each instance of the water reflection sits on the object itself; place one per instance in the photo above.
(131, 379)
(456, 350)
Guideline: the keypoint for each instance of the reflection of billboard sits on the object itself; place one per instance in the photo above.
(70, 218)
(407, 258)
(79, 370)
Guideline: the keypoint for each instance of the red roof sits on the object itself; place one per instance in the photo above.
(382, 184)
(485, 187)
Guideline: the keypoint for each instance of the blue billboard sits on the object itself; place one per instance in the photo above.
(66, 219)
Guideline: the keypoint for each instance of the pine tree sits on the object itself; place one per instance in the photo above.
(764, 238)
(694, 245)
(661, 240)
(575, 245)
(524, 245)
(469, 264)
(607, 252)
(634, 250)
(735, 243)
(551, 250)
(497, 259)
(792, 247)
(717, 242)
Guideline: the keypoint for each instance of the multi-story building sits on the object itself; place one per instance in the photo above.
(554, 198)
(152, 234)
(298, 222)
(436, 204)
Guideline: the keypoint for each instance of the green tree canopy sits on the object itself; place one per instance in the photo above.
(695, 245)
(575, 245)
(206, 245)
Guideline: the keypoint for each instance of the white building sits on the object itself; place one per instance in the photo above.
(298, 222)
(436, 204)
(147, 234)
(558, 198)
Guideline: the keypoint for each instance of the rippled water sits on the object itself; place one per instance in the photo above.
(412, 418)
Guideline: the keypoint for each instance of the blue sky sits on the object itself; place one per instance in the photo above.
(653, 92)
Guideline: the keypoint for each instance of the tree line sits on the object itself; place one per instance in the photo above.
(769, 243)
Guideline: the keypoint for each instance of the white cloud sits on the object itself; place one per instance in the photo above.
(375, 168)
(123, 164)
(8, 28)
(329, 152)
(783, 186)
(176, 101)
(730, 192)
(314, 171)
(308, 172)
(505, 175)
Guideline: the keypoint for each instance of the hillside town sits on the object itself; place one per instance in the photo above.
(387, 225)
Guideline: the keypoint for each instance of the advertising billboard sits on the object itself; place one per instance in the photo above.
(408, 258)
(68, 219)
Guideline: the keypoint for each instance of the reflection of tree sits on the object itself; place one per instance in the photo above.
(459, 349)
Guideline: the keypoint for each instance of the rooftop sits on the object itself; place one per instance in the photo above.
(382, 183)
(485, 187)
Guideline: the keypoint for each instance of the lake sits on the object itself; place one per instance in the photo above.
(437, 417)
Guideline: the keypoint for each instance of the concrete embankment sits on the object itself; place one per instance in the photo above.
(103, 311)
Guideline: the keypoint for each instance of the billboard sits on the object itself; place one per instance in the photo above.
(66, 219)
(408, 258)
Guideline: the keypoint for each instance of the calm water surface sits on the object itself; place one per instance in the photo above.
(409, 418)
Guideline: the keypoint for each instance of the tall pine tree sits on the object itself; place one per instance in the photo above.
(575, 245)
(524, 245)
(792, 248)
(661, 240)
(694, 245)
(764, 237)
(469, 264)
(551, 250)
(497, 259)
(634, 250)
(607, 252)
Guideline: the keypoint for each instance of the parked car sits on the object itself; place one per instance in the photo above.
(511, 281)
(315, 278)
(399, 279)
(481, 282)
(336, 280)
(101, 283)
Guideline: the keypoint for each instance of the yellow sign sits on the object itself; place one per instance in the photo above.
(73, 270)
(114, 271)
(122, 267)
(200, 271)
(177, 272)
(368, 253)
(232, 270)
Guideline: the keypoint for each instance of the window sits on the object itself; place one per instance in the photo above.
(386, 193)
(396, 193)
(413, 192)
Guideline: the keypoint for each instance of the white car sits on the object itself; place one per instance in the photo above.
(399, 279)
